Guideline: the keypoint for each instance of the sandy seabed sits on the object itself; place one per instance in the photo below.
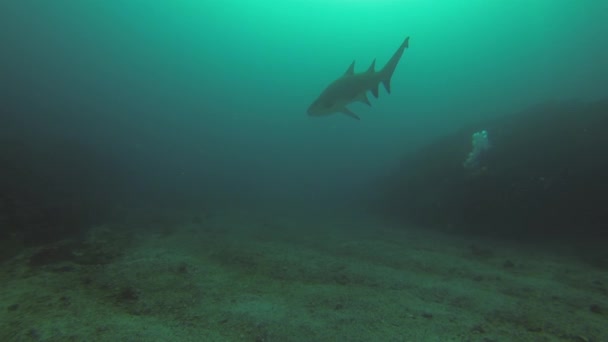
(234, 275)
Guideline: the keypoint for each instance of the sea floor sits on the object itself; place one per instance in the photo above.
(250, 276)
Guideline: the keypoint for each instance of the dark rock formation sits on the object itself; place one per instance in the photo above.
(545, 175)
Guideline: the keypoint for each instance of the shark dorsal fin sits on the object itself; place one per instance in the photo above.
(372, 68)
(351, 69)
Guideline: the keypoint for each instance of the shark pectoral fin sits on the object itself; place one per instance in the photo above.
(350, 113)
(375, 91)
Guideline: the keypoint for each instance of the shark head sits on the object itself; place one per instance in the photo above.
(326, 105)
(329, 101)
(320, 108)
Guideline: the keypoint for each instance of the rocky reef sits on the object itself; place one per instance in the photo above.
(545, 175)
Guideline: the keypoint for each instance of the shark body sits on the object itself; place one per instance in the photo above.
(353, 87)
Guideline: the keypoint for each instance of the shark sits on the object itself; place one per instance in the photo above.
(353, 87)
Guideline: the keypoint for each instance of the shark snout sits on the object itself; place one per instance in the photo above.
(316, 108)
(311, 110)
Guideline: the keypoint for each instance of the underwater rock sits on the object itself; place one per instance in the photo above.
(596, 309)
(545, 176)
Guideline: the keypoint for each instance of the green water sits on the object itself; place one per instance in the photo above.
(213, 94)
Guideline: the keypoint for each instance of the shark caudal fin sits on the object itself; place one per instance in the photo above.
(387, 72)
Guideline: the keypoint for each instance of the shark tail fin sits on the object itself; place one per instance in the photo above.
(389, 68)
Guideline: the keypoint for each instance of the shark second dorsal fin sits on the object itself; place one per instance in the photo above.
(372, 68)
(351, 69)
